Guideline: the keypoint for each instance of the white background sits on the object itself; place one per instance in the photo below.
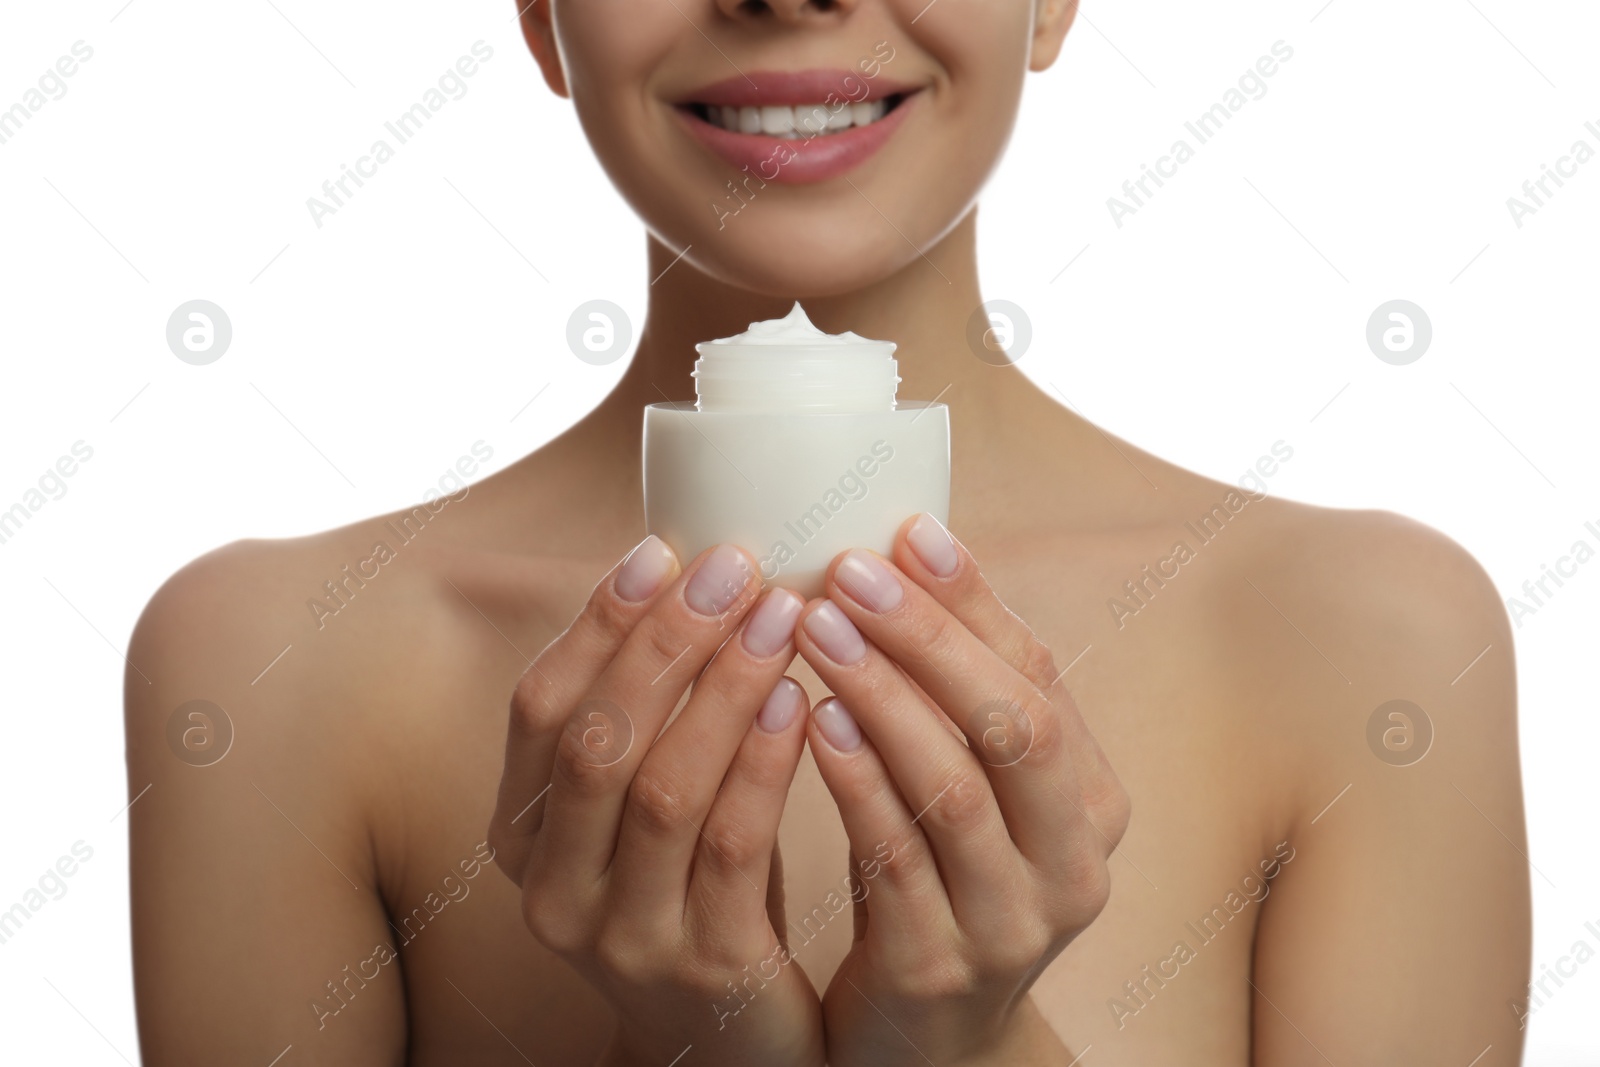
(1228, 313)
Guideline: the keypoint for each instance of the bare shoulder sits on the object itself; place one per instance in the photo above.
(1365, 694)
(342, 658)
(1347, 611)
(286, 621)
(1344, 645)
(1348, 642)
(1378, 660)
(346, 635)
(1395, 606)
(1346, 599)
(315, 712)
(1392, 559)
(282, 672)
(258, 756)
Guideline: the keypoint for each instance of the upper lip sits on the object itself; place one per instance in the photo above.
(777, 88)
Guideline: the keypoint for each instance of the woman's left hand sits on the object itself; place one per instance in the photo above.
(981, 849)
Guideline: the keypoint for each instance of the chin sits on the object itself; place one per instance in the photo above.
(802, 241)
(790, 254)
(778, 235)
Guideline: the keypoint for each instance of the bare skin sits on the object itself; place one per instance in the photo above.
(1359, 912)
(381, 736)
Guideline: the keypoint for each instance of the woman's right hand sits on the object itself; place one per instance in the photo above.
(645, 861)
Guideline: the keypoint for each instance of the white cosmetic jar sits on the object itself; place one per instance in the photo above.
(796, 451)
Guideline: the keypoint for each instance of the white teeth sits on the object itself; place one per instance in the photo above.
(777, 121)
(866, 114)
(811, 121)
(796, 123)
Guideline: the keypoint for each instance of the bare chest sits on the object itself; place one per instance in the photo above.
(1163, 969)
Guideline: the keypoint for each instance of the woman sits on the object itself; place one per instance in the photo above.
(958, 881)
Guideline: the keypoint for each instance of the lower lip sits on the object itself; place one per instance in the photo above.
(816, 159)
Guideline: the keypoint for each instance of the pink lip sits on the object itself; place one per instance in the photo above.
(803, 160)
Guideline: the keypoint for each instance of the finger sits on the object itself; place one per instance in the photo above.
(604, 741)
(926, 553)
(553, 683)
(727, 896)
(897, 877)
(1012, 728)
(676, 784)
(941, 780)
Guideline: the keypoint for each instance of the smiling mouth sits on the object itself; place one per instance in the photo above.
(796, 122)
(797, 127)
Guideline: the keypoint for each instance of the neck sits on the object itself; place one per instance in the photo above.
(996, 413)
(924, 308)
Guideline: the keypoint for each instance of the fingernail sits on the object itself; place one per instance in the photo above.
(865, 578)
(933, 545)
(781, 707)
(837, 726)
(835, 634)
(718, 582)
(644, 570)
(772, 623)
